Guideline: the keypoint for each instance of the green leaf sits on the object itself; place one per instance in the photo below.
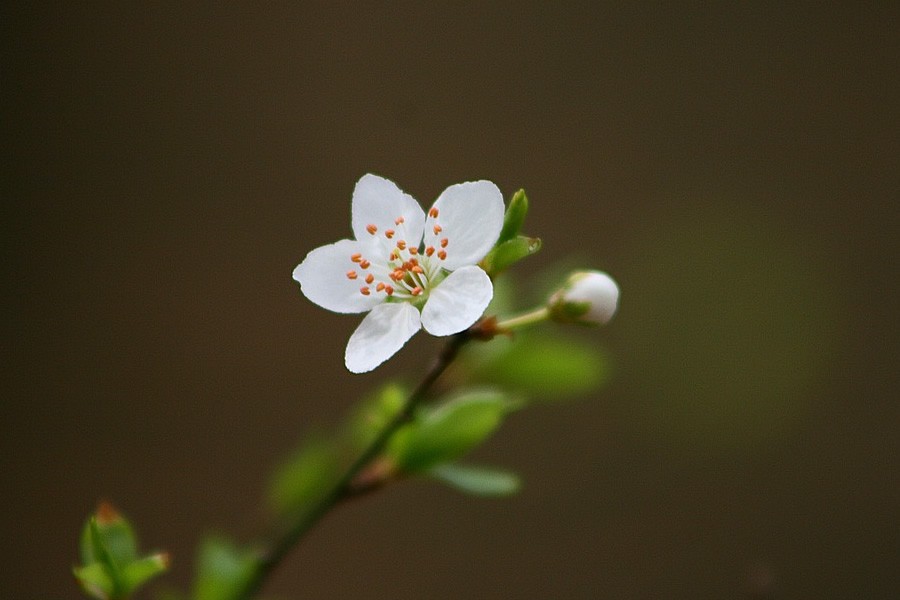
(478, 481)
(305, 476)
(142, 570)
(111, 567)
(222, 569)
(374, 414)
(95, 580)
(514, 217)
(544, 365)
(508, 253)
(108, 533)
(449, 431)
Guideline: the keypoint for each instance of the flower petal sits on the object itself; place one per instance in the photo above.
(323, 279)
(380, 335)
(470, 216)
(458, 301)
(379, 202)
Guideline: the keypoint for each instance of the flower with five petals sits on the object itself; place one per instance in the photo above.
(407, 268)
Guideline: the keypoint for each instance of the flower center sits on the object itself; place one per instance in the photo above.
(396, 268)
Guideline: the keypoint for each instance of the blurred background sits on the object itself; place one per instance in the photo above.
(166, 165)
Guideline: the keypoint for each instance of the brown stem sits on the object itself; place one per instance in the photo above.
(345, 486)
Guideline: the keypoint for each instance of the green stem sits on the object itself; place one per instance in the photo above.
(285, 541)
(524, 320)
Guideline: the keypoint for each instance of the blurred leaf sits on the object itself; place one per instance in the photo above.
(514, 217)
(544, 365)
(95, 580)
(304, 476)
(142, 570)
(449, 431)
(478, 481)
(375, 412)
(509, 252)
(107, 532)
(111, 567)
(222, 569)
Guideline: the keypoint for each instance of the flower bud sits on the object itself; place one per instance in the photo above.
(588, 297)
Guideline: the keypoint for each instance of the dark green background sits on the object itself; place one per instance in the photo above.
(166, 166)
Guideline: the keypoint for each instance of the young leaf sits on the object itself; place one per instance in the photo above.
(508, 253)
(95, 581)
(142, 570)
(448, 431)
(545, 366)
(300, 480)
(112, 569)
(478, 481)
(514, 217)
(108, 533)
(222, 569)
(375, 412)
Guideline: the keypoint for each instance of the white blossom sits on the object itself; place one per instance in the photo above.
(407, 268)
(589, 297)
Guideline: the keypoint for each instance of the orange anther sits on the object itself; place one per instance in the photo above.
(388, 290)
(433, 213)
(414, 261)
(364, 264)
(370, 278)
(398, 220)
(364, 291)
(389, 233)
(356, 257)
(417, 269)
(437, 229)
(444, 242)
(371, 228)
(401, 244)
(429, 250)
(351, 274)
(442, 255)
(413, 250)
(416, 291)
(379, 287)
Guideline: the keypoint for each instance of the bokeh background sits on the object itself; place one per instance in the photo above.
(166, 165)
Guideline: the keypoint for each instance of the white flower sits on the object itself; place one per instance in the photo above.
(408, 268)
(589, 297)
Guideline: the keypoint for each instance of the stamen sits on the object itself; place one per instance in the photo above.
(413, 250)
(364, 264)
(351, 274)
(437, 229)
(442, 255)
(389, 233)
(356, 257)
(364, 291)
(433, 213)
(401, 244)
(388, 290)
(371, 228)
(370, 278)
(417, 269)
(398, 274)
(399, 220)
(380, 286)
(416, 291)
(429, 250)
(444, 242)
(414, 261)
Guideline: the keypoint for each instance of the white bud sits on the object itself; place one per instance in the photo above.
(587, 297)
